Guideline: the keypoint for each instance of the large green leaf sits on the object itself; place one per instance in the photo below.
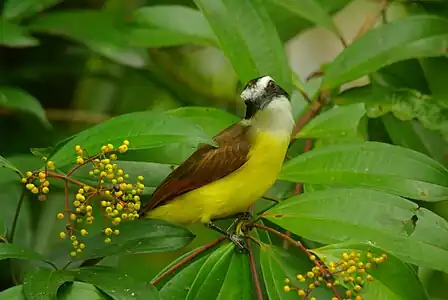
(390, 222)
(278, 264)
(393, 279)
(116, 284)
(211, 276)
(140, 236)
(16, 9)
(211, 120)
(310, 10)
(13, 293)
(98, 30)
(249, 39)
(143, 129)
(178, 23)
(15, 36)
(80, 291)
(17, 99)
(371, 164)
(17, 251)
(43, 284)
(411, 37)
(336, 122)
(4, 163)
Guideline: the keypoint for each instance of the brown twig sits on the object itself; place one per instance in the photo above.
(187, 259)
(301, 247)
(253, 268)
(370, 20)
(312, 111)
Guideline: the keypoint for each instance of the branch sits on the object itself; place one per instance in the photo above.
(312, 111)
(253, 268)
(11, 233)
(187, 259)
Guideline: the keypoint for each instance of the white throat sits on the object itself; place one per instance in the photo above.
(276, 118)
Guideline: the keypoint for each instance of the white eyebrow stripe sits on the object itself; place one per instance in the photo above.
(257, 90)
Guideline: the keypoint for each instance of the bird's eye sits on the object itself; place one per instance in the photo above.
(271, 84)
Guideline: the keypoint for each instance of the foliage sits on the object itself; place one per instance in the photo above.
(361, 200)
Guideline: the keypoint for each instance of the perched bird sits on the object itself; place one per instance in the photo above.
(218, 182)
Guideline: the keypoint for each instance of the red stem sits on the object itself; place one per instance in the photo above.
(187, 259)
(253, 268)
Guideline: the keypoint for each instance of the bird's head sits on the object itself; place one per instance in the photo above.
(261, 93)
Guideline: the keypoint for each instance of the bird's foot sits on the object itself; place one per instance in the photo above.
(239, 242)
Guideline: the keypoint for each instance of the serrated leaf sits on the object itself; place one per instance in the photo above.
(387, 221)
(20, 100)
(336, 122)
(15, 36)
(406, 38)
(212, 274)
(310, 10)
(116, 284)
(144, 130)
(43, 284)
(140, 236)
(249, 39)
(393, 279)
(17, 9)
(179, 23)
(371, 164)
(99, 31)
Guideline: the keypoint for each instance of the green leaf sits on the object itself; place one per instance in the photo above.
(143, 129)
(211, 120)
(387, 221)
(99, 31)
(336, 122)
(17, 9)
(393, 279)
(15, 36)
(209, 279)
(116, 284)
(80, 291)
(411, 37)
(371, 164)
(158, 38)
(278, 264)
(248, 38)
(178, 23)
(310, 10)
(412, 135)
(175, 288)
(13, 293)
(4, 163)
(18, 99)
(17, 251)
(43, 284)
(140, 236)
(435, 70)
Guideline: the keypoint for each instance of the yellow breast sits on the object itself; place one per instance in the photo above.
(233, 193)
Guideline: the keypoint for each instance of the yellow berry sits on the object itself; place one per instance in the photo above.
(310, 274)
(116, 232)
(34, 190)
(334, 298)
(29, 186)
(137, 206)
(46, 183)
(312, 257)
(24, 180)
(103, 203)
(352, 269)
(113, 157)
(42, 175)
(126, 142)
(75, 243)
(72, 238)
(73, 253)
(62, 235)
(104, 148)
(79, 160)
(286, 288)
(369, 277)
(313, 298)
(89, 208)
(357, 288)
(76, 203)
(29, 174)
(107, 193)
(345, 255)
(124, 216)
(141, 178)
(108, 231)
(60, 216)
(358, 297)
(286, 281)
(301, 292)
(107, 240)
(84, 232)
(45, 190)
(136, 198)
(300, 278)
(79, 250)
(82, 246)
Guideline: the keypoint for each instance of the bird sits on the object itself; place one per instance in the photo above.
(223, 180)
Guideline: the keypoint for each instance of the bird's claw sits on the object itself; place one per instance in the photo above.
(238, 241)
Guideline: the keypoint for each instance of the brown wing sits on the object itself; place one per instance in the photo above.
(205, 165)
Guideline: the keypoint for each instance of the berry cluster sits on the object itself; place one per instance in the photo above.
(349, 272)
(118, 199)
